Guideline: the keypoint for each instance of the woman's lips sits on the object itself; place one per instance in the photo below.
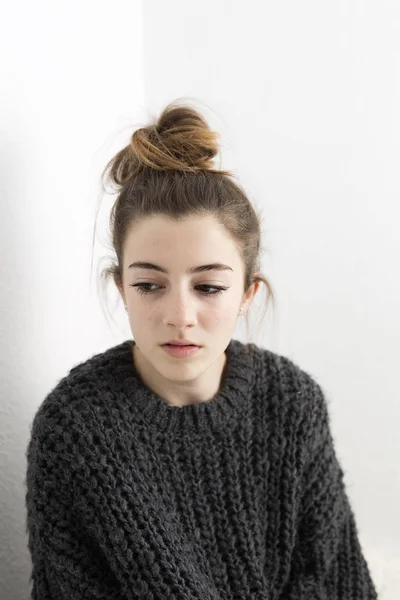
(180, 351)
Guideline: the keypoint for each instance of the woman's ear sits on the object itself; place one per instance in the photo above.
(250, 294)
(118, 283)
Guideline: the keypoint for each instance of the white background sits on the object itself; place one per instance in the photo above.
(306, 97)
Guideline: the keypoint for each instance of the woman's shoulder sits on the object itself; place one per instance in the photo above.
(67, 409)
(72, 393)
(291, 380)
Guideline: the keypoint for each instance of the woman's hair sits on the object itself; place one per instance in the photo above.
(167, 169)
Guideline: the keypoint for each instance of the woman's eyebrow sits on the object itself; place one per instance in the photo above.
(199, 269)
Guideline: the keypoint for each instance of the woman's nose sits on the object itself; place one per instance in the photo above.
(181, 312)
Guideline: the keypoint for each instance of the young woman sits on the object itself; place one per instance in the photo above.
(185, 464)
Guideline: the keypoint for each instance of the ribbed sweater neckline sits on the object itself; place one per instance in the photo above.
(146, 407)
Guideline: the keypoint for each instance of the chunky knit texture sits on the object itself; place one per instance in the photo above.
(240, 498)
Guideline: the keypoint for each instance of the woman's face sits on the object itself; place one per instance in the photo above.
(201, 307)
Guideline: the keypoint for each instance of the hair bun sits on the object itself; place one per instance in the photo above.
(179, 140)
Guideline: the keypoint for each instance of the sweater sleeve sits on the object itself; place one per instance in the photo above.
(97, 529)
(66, 564)
(327, 561)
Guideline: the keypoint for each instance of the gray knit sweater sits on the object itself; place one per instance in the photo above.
(238, 498)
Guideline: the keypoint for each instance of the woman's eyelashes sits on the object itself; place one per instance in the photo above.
(142, 289)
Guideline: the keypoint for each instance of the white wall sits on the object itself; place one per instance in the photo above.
(71, 78)
(306, 96)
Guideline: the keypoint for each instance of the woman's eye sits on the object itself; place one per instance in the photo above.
(142, 289)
